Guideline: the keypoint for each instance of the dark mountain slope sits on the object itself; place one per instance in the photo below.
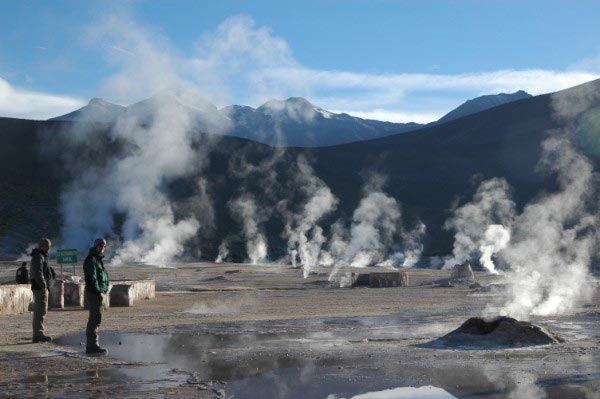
(428, 171)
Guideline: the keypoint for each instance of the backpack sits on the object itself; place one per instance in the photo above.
(23, 274)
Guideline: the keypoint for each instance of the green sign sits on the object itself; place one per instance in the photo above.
(66, 256)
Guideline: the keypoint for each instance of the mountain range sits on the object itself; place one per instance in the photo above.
(429, 171)
(294, 122)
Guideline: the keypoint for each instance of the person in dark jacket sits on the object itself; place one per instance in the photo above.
(22, 274)
(96, 284)
(40, 285)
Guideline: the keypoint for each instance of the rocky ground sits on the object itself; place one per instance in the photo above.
(246, 331)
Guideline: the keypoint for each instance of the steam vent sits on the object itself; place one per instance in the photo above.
(501, 332)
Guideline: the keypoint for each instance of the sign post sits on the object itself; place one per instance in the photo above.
(66, 257)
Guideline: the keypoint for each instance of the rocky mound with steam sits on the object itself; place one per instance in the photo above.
(501, 332)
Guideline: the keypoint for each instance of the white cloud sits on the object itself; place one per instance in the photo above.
(391, 116)
(19, 103)
(535, 81)
(239, 62)
(146, 61)
(254, 65)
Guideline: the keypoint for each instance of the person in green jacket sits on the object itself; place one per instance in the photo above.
(96, 284)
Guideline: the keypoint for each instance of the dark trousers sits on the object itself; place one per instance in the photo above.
(40, 308)
(94, 301)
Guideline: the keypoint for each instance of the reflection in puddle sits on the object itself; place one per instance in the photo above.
(355, 358)
(328, 383)
(275, 368)
(426, 392)
(80, 384)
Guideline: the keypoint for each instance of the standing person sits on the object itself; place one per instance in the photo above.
(22, 275)
(40, 285)
(96, 284)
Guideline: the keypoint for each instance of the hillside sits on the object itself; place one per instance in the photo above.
(482, 103)
(428, 171)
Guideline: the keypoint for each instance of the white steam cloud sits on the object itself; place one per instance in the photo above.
(305, 236)
(158, 134)
(547, 249)
(245, 210)
(376, 236)
(549, 255)
(374, 224)
(495, 239)
(223, 252)
(482, 226)
(412, 247)
(132, 185)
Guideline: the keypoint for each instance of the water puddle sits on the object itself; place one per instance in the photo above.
(181, 359)
(578, 329)
(426, 392)
(350, 358)
(91, 383)
(326, 383)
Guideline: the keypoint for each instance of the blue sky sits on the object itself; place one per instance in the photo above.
(392, 60)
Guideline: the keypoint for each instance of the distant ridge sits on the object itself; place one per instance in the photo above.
(97, 110)
(482, 103)
(294, 122)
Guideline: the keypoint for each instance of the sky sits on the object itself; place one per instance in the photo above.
(397, 60)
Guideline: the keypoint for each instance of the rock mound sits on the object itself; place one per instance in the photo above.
(217, 278)
(494, 289)
(452, 282)
(501, 332)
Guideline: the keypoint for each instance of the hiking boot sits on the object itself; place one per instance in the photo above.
(96, 350)
(41, 338)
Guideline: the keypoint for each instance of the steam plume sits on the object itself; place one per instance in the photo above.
(156, 137)
(549, 255)
(245, 210)
(223, 251)
(305, 236)
(376, 235)
(482, 226)
(546, 252)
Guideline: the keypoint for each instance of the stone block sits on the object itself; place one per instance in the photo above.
(360, 279)
(463, 271)
(138, 290)
(15, 298)
(380, 279)
(141, 289)
(122, 295)
(56, 297)
(388, 279)
(74, 294)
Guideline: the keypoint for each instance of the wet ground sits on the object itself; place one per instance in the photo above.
(345, 357)
(297, 339)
